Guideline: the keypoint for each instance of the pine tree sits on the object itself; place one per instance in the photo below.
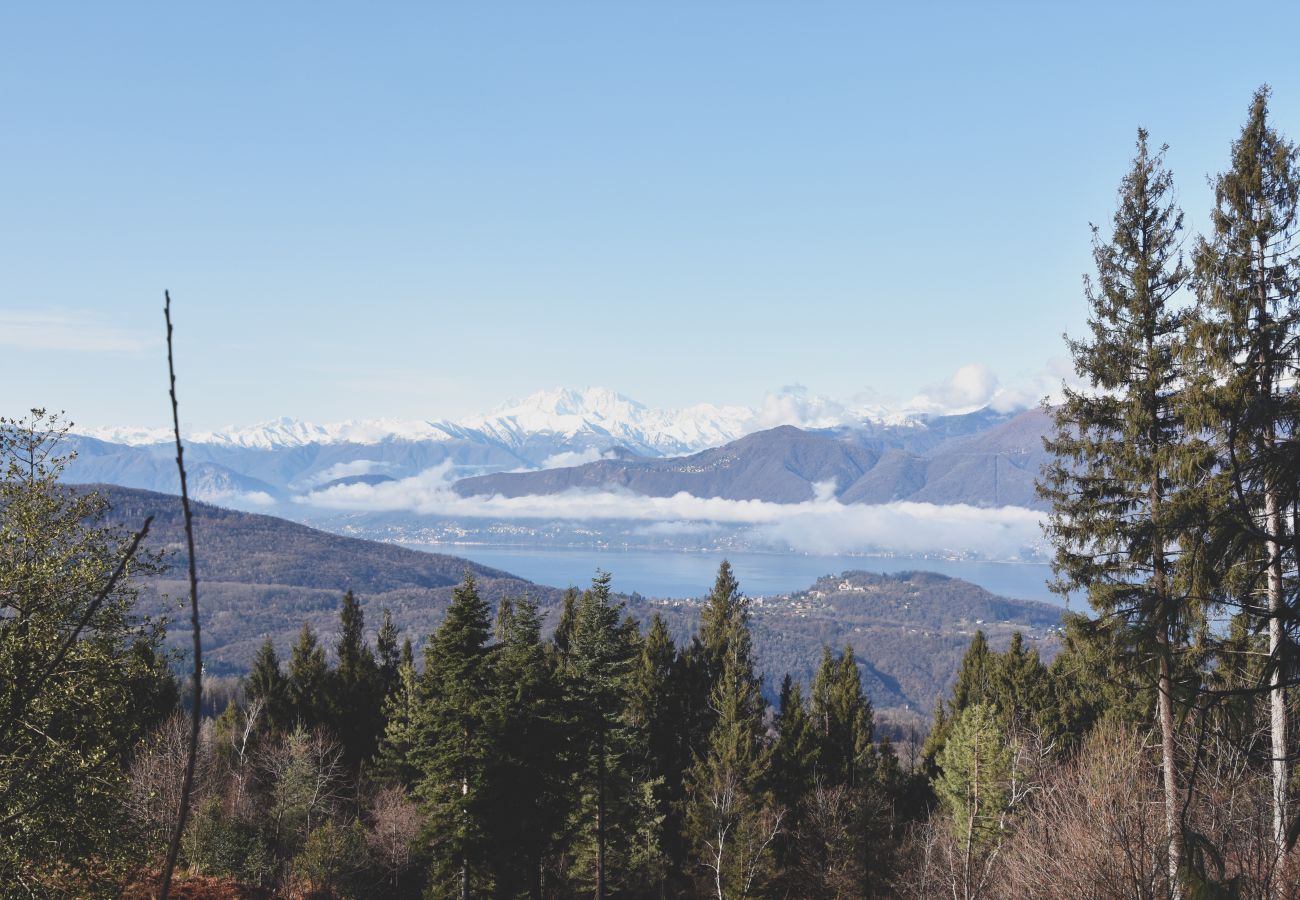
(529, 800)
(388, 654)
(843, 721)
(975, 768)
(724, 633)
(308, 681)
(356, 692)
(795, 753)
(562, 640)
(402, 712)
(1247, 332)
(600, 659)
(972, 686)
(657, 713)
(265, 682)
(1121, 454)
(731, 816)
(454, 735)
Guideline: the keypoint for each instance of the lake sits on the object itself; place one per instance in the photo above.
(668, 573)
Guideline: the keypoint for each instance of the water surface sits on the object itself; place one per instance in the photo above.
(673, 573)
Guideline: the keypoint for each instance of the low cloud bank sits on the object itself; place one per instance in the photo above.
(819, 525)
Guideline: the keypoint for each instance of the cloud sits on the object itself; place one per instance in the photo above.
(569, 458)
(237, 499)
(820, 525)
(82, 331)
(793, 405)
(345, 469)
(969, 388)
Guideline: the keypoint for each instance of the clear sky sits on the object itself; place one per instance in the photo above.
(422, 210)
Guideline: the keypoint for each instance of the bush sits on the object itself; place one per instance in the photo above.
(334, 860)
(226, 847)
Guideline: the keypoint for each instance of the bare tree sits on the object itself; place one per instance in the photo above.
(395, 825)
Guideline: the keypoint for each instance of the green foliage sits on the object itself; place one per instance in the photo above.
(607, 815)
(528, 799)
(225, 846)
(81, 675)
(265, 682)
(843, 721)
(334, 861)
(731, 817)
(356, 687)
(975, 767)
(308, 681)
(454, 732)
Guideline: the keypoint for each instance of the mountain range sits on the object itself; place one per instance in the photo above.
(993, 461)
(565, 439)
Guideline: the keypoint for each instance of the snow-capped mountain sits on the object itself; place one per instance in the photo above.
(601, 416)
(593, 416)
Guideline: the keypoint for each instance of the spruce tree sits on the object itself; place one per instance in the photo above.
(308, 681)
(388, 653)
(732, 818)
(265, 682)
(843, 721)
(795, 753)
(356, 694)
(724, 632)
(454, 741)
(403, 709)
(529, 799)
(1121, 456)
(1247, 331)
(600, 660)
(657, 712)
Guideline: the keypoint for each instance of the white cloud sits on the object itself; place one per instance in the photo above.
(345, 469)
(821, 525)
(969, 388)
(79, 331)
(569, 458)
(237, 499)
(793, 405)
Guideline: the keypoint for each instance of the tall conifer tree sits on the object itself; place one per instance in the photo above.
(454, 740)
(1247, 333)
(308, 680)
(1120, 449)
(600, 659)
(267, 683)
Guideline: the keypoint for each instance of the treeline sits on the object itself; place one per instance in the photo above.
(599, 761)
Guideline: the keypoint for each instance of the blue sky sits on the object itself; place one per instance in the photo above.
(423, 210)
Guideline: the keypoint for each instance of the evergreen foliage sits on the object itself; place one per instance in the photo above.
(81, 678)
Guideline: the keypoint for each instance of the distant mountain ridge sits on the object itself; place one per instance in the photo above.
(867, 456)
(597, 414)
(996, 465)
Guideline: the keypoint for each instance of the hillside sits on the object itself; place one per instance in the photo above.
(260, 575)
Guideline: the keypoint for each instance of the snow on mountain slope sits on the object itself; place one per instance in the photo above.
(597, 413)
(562, 420)
(607, 417)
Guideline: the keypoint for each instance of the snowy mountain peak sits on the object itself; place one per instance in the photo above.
(588, 420)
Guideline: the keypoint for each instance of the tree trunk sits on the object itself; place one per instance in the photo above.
(1277, 688)
(1168, 766)
(600, 817)
(1173, 830)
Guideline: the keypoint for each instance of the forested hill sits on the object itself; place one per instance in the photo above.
(260, 575)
